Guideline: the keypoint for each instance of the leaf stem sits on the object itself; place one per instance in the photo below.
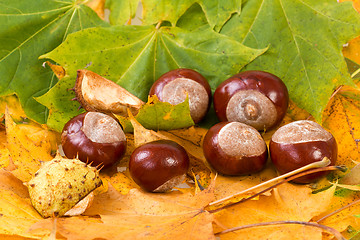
(333, 231)
(323, 163)
(158, 25)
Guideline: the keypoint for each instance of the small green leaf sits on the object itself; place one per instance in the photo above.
(27, 30)
(121, 11)
(136, 56)
(306, 39)
(156, 115)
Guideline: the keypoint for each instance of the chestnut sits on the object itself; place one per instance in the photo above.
(94, 137)
(174, 86)
(158, 166)
(234, 148)
(300, 143)
(257, 98)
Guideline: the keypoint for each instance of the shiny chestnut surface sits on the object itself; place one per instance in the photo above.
(234, 148)
(173, 86)
(75, 143)
(300, 143)
(156, 164)
(262, 83)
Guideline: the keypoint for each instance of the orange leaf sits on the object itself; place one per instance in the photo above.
(352, 50)
(17, 213)
(139, 215)
(98, 6)
(57, 69)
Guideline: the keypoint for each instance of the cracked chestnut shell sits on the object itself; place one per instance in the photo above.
(95, 138)
(300, 143)
(98, 94)
(158, 166)
(234, 148)
(174, 86)
(257, 98)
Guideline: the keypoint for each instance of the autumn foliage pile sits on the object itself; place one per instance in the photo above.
(313, 46)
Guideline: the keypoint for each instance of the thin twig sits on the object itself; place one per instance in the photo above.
(355, 73)
(336, 91)
(301, 174)
(323, 163)
(334, 232)
(337, 211)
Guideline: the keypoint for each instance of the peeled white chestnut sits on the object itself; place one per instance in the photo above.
(234, 148)
(94, 137)
(174, 86)
(300, 143)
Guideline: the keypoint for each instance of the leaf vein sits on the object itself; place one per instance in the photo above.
(299, 53)
(139, 56)
(167, 49)
(32, 36)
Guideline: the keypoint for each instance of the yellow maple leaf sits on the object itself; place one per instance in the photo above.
(352, 49)
(288, 202)
(27, 143)
(342, 119)
(344, 218)
(11, 102)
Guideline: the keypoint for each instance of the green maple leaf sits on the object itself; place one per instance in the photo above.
(194, 18)
(217, 11)
(27, 30)
(155, 11)
(306, 38)
(136, 56)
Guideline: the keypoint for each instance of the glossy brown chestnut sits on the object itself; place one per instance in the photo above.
(234, 148)
(159, 166)
(174, 86)
(300, 143)
(94, 138)
(257, 98)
